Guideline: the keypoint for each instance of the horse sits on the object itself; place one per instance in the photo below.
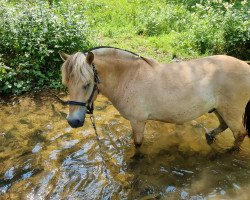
(142, 89)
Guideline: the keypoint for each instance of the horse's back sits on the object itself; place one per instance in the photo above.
(197, 85)
(212, 67)
(215, 60)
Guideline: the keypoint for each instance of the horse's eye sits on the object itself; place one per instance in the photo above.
(85, 87)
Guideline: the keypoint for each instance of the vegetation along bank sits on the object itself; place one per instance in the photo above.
(33, 32)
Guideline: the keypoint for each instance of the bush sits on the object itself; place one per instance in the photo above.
(33, 31)
(162, 18)
(209, 27)
(31, 35)
(237, 30)
(222, 28)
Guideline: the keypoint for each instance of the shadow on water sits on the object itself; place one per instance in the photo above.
(41, 157)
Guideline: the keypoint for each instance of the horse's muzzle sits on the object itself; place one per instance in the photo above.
(77, 118)
(75, 123)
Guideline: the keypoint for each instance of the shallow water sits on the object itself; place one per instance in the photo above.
(41, 157)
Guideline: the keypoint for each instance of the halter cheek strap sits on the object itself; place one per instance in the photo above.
(88, 104)
(90, 108)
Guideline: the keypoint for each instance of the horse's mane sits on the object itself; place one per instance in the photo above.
(109, 47)
(72, 67)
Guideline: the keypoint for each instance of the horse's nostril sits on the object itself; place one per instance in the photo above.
(75, 123)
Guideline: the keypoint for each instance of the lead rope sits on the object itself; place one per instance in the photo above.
(92, 118)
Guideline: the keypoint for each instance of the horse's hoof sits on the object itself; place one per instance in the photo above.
(234, 149)
(137, 156)
(210, 138)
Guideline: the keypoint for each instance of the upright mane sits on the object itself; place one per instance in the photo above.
(109, 47)
(106, 50)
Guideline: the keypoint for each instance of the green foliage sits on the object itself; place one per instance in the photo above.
(212, 28)
(31, 35)
(237, 30)
(33, 31)
(219, 27)
(188, 28)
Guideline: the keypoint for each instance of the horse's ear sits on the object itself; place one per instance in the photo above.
(90, 57)
(63, 55)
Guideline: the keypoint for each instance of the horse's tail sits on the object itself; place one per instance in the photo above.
(246, 118)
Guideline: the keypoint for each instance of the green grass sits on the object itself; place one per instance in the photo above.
(122, 24)
(161, 29)
(32, 32)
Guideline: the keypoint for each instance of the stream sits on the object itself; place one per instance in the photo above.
(42, 157)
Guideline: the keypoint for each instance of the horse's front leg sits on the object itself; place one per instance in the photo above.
(138, 128)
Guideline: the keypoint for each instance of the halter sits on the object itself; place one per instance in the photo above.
(90, 109)
(88, 104)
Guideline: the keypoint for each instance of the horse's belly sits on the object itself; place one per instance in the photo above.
(177, 118)
(181, 112)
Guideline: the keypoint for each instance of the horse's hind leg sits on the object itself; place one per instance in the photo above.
(210, 136)
(239, 137)
(232, 114)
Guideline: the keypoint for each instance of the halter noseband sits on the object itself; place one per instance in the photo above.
(90, 107)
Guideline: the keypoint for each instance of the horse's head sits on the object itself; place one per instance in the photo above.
(78, 76)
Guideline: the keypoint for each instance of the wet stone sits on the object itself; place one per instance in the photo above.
(37, 148)
(170, 188)
(10, 173)
(184, 194)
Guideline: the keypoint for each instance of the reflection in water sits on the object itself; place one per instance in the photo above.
(41, 157)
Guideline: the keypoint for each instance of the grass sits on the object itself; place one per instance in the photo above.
(161, 29)
(116, 23)
(158, 29)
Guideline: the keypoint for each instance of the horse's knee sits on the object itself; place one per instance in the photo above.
(239, 134)
(138, 132)
(239, 137)
(138, 145)
(138, 138)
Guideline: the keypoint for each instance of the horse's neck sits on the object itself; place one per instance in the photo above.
(112, 74)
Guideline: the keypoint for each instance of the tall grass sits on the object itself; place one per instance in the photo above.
(188, 28)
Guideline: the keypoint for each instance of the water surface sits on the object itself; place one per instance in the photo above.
(41, 157)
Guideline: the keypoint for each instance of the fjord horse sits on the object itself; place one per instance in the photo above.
(142, 89)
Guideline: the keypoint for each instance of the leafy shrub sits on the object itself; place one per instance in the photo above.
(222, 27)
(32, 32)
(161, 18)
(31, 35)
(237, 30)
(207, 27)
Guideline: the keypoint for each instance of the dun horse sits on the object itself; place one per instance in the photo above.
(142, 89)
